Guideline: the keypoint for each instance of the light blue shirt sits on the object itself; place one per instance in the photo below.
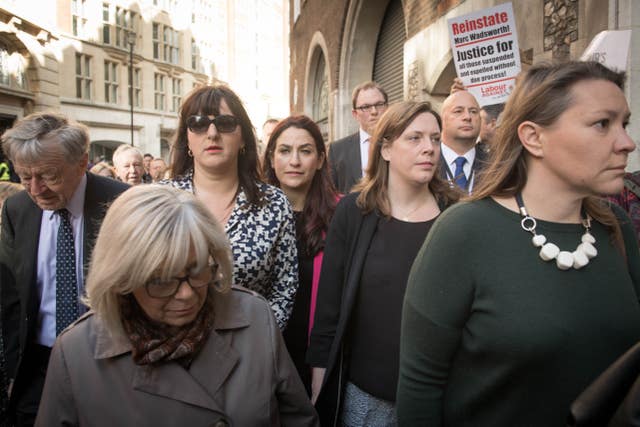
(47, 262)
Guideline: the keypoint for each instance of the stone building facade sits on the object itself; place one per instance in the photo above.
(74, 56)
(336, 44)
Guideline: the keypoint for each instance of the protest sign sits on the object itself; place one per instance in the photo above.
(485, 52)
(610, 48)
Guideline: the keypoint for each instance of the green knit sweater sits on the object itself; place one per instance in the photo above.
(494, 336)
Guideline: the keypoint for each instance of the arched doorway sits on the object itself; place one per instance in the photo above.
(317, 92)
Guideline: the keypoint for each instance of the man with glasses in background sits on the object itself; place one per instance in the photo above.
(348, 157)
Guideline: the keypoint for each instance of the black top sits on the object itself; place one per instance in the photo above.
(296, 333)
(375, 340)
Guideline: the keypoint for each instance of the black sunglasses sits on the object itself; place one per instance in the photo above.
(223, 123)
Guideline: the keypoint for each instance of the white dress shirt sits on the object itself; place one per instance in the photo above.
(450, 157)
(364, 150)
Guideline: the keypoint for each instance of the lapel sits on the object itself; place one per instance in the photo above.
(93, 212)
(28, 235)
(202, 383)
(197, 386)
(444, 168)
(354, 161)
(358, 257)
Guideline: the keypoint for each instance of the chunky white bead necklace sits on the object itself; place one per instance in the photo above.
(548, 251)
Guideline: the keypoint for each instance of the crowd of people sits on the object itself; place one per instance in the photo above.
(418, 272)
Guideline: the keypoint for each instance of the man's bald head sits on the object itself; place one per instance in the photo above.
(460, 121)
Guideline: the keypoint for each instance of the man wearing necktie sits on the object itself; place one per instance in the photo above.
(47, 236)
(460, 160)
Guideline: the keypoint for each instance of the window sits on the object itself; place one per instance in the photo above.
(78, 20)
(83, 76)
(126, 22)
(176, 94)
(106, 27)
(111, 82)
(165, 150)
(136, 88)
(195, 55)
(158, 89)
(12, 68)
(171, 45)
(166, 43)
(156, 41)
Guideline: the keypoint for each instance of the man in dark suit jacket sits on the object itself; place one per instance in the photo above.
(461, 160)
(348, 156)
(50, 156)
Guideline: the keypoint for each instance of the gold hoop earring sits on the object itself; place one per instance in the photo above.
(189, 152)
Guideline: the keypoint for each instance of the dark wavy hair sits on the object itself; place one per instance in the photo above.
(321, 199)
(373, 188)
(206, 100)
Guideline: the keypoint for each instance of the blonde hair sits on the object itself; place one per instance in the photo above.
(374, 185)
(8, 189)
(99, 167)
(152, 231)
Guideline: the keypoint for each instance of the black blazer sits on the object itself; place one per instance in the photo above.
(479, 163)
(348, 240)
(345, 163)
(19, 300)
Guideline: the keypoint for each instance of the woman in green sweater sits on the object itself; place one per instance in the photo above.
(519, 298)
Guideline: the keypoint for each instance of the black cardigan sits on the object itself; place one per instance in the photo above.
(348, 239)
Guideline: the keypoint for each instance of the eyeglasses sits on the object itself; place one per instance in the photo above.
(157, 288)
(48, 178)
(367, 108)
(223, 123)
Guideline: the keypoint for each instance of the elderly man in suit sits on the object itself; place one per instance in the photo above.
(461, 160)
(348, 157)
(47, 237)
(129, 165)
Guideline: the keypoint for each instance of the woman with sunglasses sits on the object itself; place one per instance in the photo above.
(167, 340)
(214, 156)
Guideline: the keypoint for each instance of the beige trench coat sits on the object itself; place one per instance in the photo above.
(242, 377)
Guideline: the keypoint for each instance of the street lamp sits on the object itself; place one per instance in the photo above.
(131, 39)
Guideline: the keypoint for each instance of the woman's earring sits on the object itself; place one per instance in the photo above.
(189, 152)
(242, 150)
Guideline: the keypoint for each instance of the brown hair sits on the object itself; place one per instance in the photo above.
(541, 95)
(367, 86)
(205, 100)
(321, 199)
(374, 186)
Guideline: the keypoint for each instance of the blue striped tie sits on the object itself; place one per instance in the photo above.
(66, 282)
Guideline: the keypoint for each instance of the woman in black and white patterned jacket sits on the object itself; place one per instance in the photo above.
(214, 156)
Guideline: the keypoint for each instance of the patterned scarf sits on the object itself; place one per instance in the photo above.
(155, 342)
